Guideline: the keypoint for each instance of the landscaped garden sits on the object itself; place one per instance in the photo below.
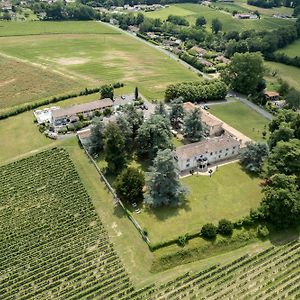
(210, 199)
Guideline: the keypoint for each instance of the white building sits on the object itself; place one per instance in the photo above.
(197, 156)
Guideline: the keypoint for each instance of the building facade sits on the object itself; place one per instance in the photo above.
(198, 156)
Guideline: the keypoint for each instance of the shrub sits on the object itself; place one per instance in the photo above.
(262, 231)
(182, 240)
(107, 112)
(71, 127)
(209, 231)
(225, 227)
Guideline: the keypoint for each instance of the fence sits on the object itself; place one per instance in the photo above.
(117, 201)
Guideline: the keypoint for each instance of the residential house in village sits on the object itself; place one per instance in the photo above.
(198, 156)
(271, 96)
(200, 51)
(213, 125)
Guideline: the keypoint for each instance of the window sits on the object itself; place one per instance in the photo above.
(188, 160)
(226, 154)
(227, 149)
(234, 147)
(211, 153)
(232, 152)
(220, 151)
(187, 165)
(219, 156)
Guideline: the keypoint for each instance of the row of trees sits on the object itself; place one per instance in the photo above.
(197, 91)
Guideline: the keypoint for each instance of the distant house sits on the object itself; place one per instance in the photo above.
(246, 16)
(200, 51)
(272, 96)
(197, 156)
(206, 63)
(67, 115)
(222, 59)
(213, 125)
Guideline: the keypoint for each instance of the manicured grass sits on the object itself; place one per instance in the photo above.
(229, 23)
(21, 83)
(292, 50)
(93, 59)
(265, 11)
(242, 118)
(210, 199)
(289, 74)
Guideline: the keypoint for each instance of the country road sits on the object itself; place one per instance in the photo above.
(238, 96)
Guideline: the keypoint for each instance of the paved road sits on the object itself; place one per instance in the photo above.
(240, 97)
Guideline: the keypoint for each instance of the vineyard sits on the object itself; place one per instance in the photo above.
(52, 243)
(54, 246)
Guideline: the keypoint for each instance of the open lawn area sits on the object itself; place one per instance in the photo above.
(242, 118)
(90, 59)
(289, 74)
(291, 50)
(192, 11)
(210, 199)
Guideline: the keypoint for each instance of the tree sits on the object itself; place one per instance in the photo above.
(139, 18)
(216, 25)
(281, 201)
(293, 99)
(136, 93)
(253, 156)
(245, 72)
(209, 231)
(114, 148)
(95, 142)
(129, 185)
(135, 119)
(283, 133)
(177, 112)
(193, 128)
(200, 21)
(107, 91)
(225, 227)
(160, 109)
(153, 135)
(164, 187)
(285, 159)
(125, 126)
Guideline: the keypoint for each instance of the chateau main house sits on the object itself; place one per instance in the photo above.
(197, 156)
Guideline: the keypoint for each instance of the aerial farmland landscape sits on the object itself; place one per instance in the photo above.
(149, 149)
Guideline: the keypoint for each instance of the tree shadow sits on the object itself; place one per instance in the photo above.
(279, 237)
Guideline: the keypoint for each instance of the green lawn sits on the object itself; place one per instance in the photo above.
(210, 199)
(292, 50)
(241, 117)
(89, 60)
(289, 74)
(192, 11)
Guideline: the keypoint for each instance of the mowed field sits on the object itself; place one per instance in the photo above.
(241, 117)
(86, 58)
(192, 11)
(292, 50)
(210, 199)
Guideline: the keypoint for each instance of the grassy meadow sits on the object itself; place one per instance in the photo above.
(241, 117)
(103, 56)
(289, 74)
(192, 11)
(210, 199)
(292, 50)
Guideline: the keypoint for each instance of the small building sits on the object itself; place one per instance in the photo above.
(271, 96)
(222, 59)
(205, 63)
(200, 51)
(213, 125)
(67, 115)
(197, 156)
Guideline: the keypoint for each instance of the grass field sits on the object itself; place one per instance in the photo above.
(192, 11)
(241, 117)
(21, 83)
(210, 199)
(292, 50)
(289, 74)
(90, 59)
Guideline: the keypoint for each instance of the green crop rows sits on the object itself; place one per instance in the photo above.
(54, 246)
(52, 243)
(271, 274)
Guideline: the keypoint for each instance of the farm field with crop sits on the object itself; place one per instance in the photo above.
(87, 59)
(241, 117)
(291, 50)
(192, 11)
(210, 199)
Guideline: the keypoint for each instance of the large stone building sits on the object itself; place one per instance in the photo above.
(197, 156)
(213, 125)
